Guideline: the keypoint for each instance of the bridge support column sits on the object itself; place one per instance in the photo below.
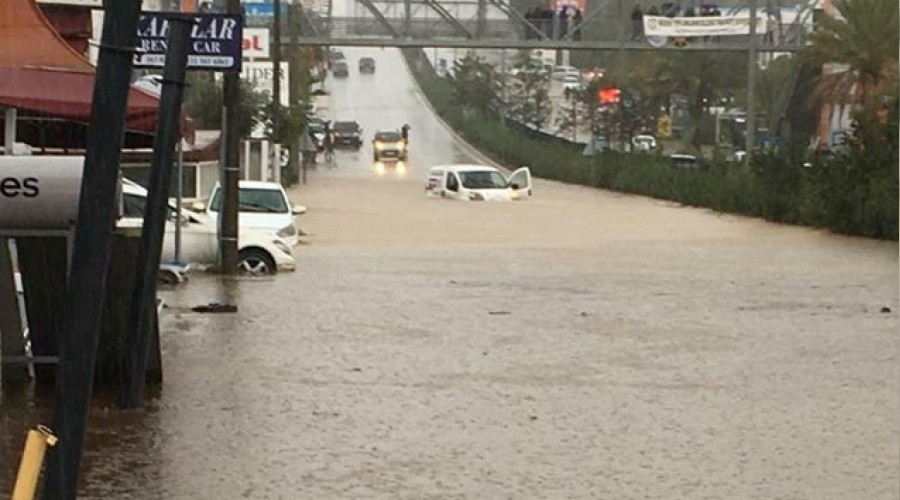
(482, 19)
(407, 18)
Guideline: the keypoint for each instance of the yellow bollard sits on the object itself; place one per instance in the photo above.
(32, 460)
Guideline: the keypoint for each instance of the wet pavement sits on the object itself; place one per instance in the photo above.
(582, 344)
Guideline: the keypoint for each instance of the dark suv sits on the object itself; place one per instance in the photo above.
(366, 65)
(347, 134)
(340, 69)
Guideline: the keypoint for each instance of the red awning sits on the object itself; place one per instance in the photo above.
(41, 73)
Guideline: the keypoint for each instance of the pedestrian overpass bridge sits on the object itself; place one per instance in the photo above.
(607, 25)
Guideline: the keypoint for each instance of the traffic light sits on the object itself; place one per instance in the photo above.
(609, 95)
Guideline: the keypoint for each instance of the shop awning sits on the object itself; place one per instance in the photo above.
(41, 73)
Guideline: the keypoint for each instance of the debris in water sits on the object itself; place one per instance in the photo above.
(885, 309)
(499, 313)
(215, 307)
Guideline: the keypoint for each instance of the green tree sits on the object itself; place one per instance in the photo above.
(203, 103)
(862, 44)
(475, 85)
(529, 101)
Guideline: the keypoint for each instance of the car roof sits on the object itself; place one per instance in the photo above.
(274, 186)
(260, 185)
(462, 167)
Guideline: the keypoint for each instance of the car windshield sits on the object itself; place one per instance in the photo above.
(254, 200)
(388, 137)
(482, 179)
(345, 127)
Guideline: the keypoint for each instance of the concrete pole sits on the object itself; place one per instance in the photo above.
(228, 217)
(752, 65)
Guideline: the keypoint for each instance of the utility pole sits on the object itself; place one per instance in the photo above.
(294, 83)
(97, 210)
(752, 64)
(228, 217)
(276, 71)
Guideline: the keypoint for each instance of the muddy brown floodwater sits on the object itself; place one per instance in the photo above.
(582, 344)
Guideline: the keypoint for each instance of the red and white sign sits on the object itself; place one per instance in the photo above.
(256, 43)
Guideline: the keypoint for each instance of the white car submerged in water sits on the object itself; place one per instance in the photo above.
(478, 183)
(259, 251)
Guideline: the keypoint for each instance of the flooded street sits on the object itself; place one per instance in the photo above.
(581, 344)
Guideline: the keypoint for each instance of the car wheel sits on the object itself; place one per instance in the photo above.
(256, 261)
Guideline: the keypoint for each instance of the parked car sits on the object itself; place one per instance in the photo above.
(484, 183)
(262, 206)
(388, 145)
(643, 143)
(366, 65)
(259, 252)
(340, 69)
(347, 133)
(686, 162)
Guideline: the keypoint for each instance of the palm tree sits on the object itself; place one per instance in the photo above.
(861, 45)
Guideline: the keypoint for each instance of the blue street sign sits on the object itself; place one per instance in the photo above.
(216, 42)
(262, 9)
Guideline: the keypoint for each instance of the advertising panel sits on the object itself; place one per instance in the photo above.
(660, 26)
(216, 42)
(261, 75)
(256, 43)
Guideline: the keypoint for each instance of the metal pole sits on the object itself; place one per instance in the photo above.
(9, 131)
(228, 217)
(156, 211)
(574, 119)
(751, 85)
(83, 310)
(295, 93)
(276, 71)
(179, 195)
(503, 80)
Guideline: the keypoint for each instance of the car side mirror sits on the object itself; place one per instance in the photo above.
(514, 185)
(298, 210)
(198, 206)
